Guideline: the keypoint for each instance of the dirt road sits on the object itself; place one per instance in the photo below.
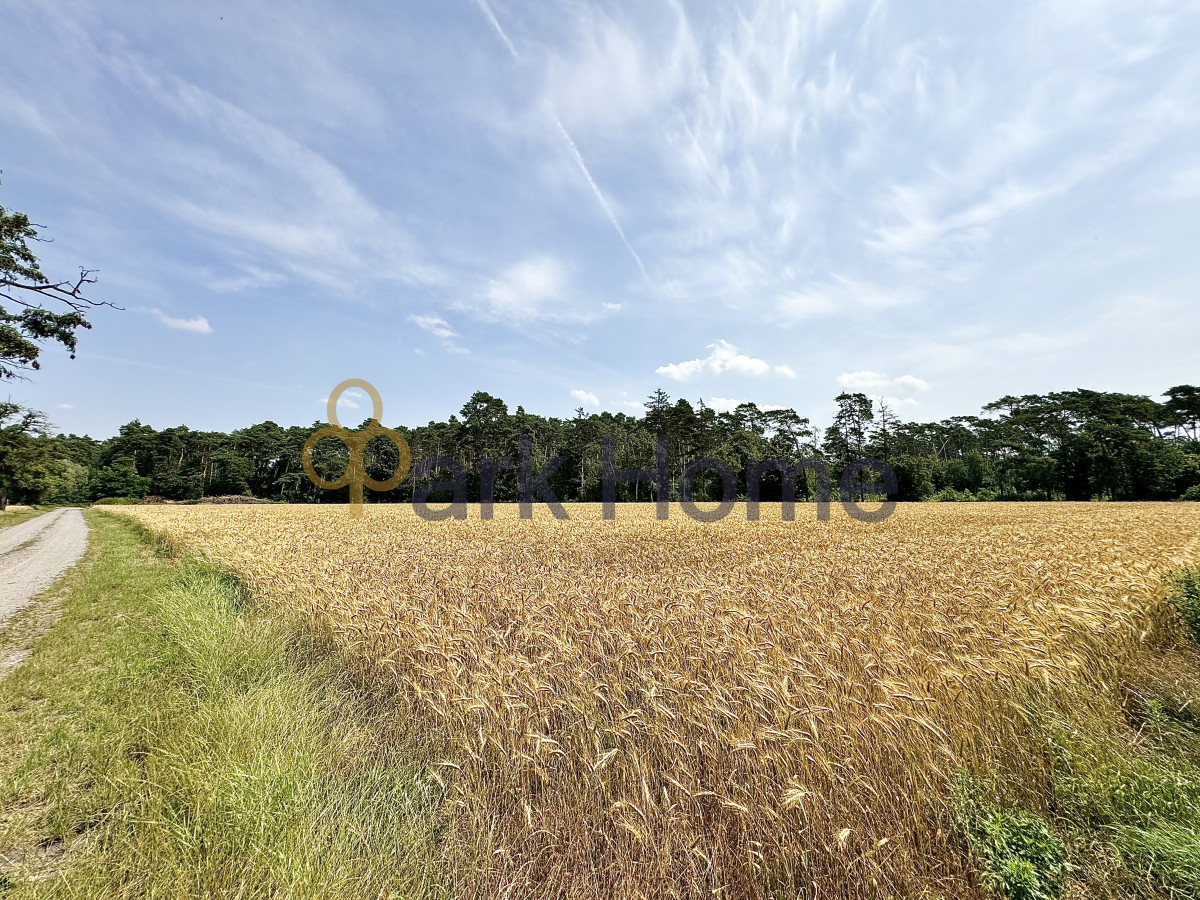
(35, 553)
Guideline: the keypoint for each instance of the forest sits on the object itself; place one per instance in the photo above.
(1071, 445)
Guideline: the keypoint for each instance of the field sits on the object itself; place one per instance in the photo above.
(627, 708)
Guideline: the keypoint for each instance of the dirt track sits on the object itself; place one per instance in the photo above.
(34, 553)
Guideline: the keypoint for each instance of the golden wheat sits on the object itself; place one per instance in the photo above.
(635, 708)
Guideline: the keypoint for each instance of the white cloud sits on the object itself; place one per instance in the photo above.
(527, 289)
(723, 404)
(348, 400)
(723, 357)
(435, 325)
(196, 324)
(862, 381)
(65, 406)
(585, 398)
(440, 328)
(867, 381)
(911, 382)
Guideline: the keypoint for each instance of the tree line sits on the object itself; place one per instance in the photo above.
(1069, 445)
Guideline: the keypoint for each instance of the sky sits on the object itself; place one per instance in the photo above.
(574, 203)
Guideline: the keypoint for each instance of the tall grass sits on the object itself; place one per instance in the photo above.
(174, 741)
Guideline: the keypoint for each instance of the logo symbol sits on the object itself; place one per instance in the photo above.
(356, 476)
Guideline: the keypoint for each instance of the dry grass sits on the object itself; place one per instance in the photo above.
(629, 708)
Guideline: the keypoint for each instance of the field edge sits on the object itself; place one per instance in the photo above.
(169, 737)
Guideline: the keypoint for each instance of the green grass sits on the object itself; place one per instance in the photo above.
(17, 516)
(171, 740)
(1185, 596)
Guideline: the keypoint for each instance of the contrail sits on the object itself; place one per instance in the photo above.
(599, 195)
(486, 9)
(491, 16)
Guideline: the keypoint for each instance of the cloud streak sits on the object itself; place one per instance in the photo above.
(196, 324)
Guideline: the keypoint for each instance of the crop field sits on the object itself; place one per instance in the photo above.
(632, 708)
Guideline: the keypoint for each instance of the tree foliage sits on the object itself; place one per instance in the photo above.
(33, 309)
(1072, 445)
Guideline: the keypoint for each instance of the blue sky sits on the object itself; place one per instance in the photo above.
(574, 203)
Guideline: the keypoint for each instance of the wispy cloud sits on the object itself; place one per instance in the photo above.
(838, 295)
(435, 325)
(196, 324)
(441, 329)
(245, 180)
(251, 279)
(348, 400)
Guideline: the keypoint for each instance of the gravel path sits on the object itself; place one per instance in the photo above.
(34, 553)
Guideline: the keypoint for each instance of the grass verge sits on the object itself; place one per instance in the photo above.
(17, 516)
(1123, 800)
(167, 739)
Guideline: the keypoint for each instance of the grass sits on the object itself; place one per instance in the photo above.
(16, 516)
(1185, 597)
(167, 739)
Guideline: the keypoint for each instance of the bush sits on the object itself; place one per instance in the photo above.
(1023, 496)
(950, 495)
(115, 501)
(117, 481)
(1192, 493)
(1024, 860)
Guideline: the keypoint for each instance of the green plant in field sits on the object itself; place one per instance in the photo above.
(1185, 597)
(1131, 811)
(1022, 857)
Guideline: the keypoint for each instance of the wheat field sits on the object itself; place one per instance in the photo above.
(744, 709)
